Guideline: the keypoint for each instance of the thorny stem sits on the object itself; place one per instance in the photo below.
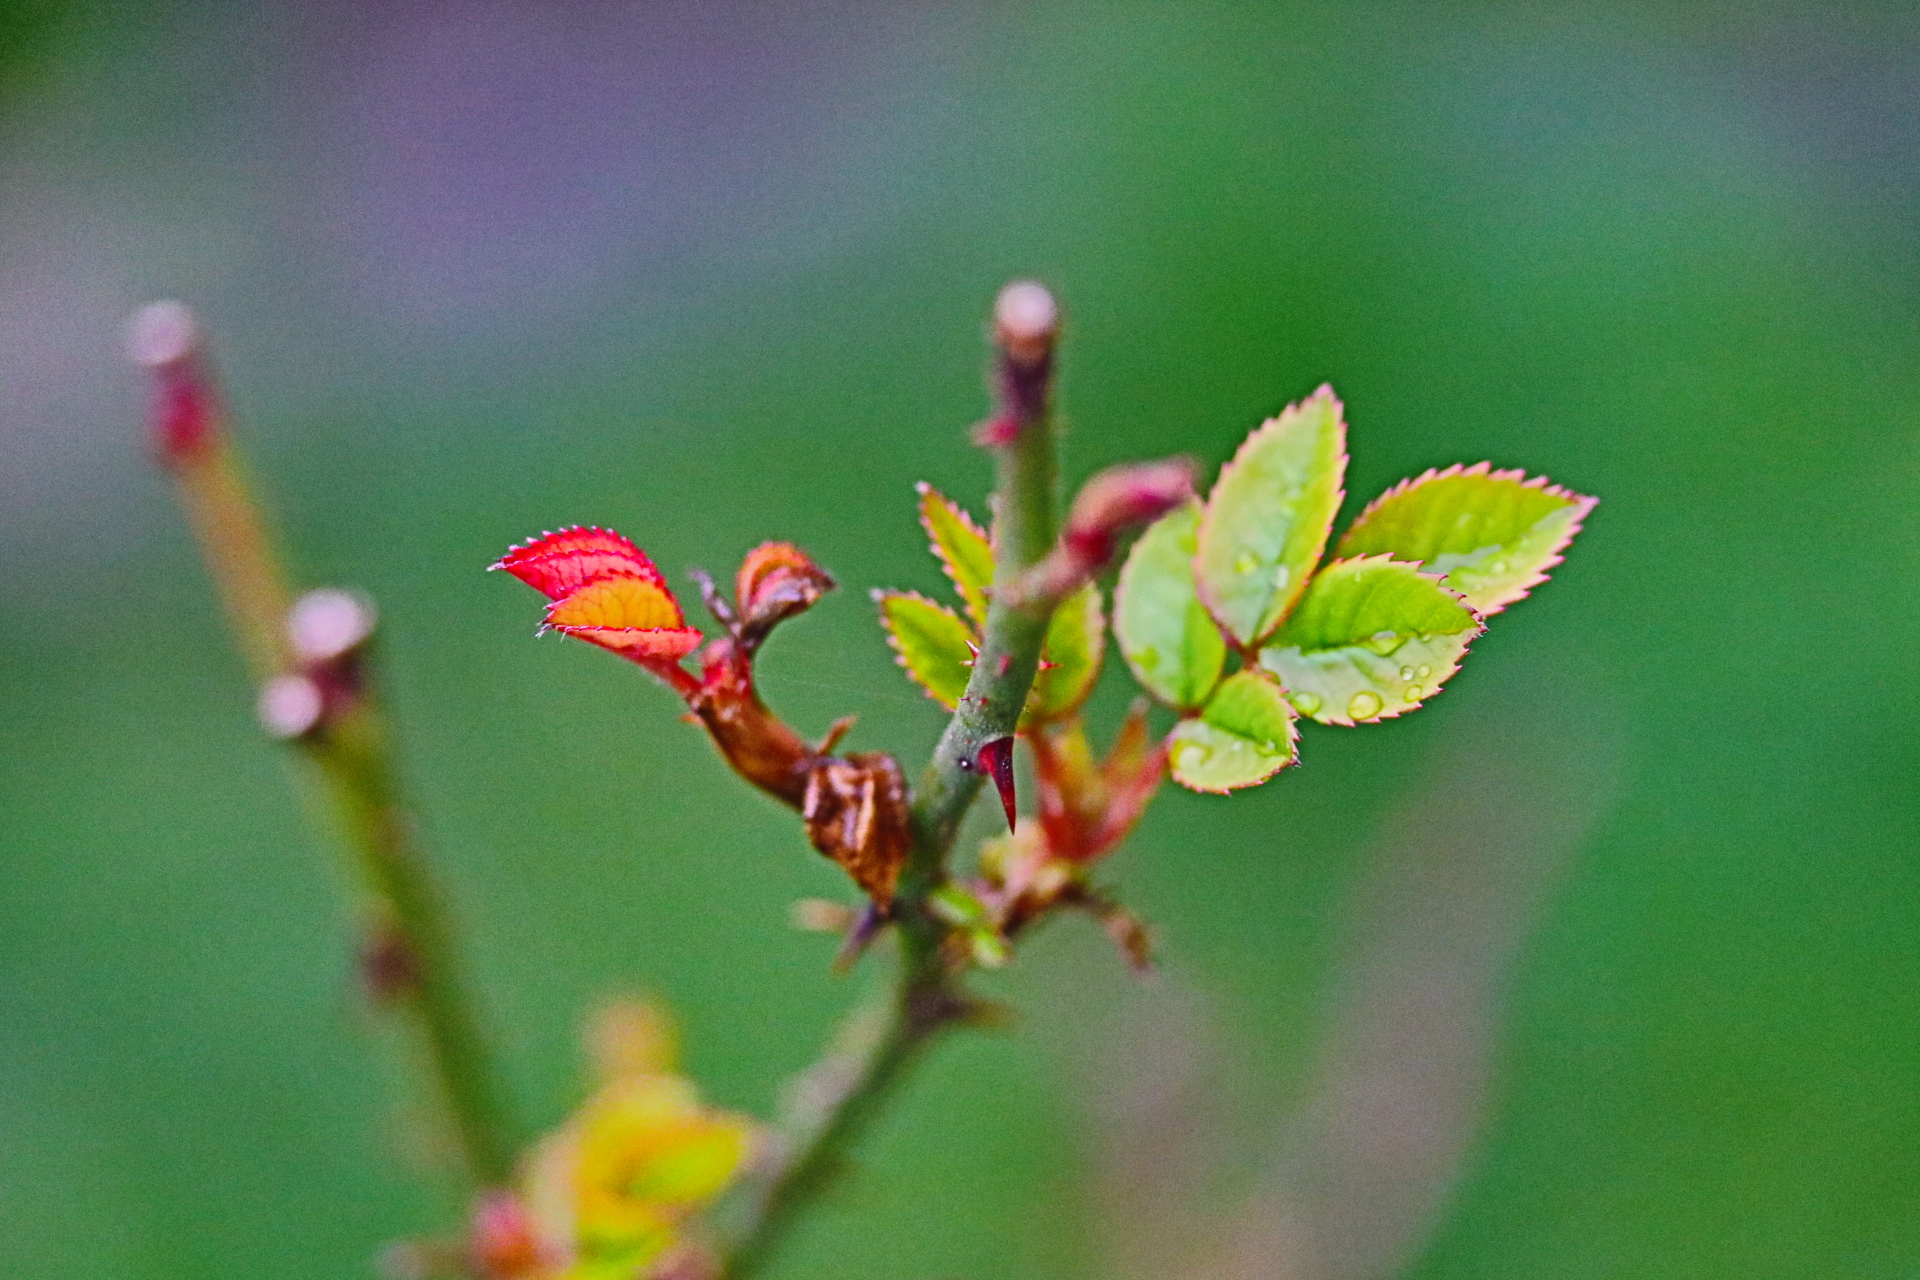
(927, 997)
(407, 945)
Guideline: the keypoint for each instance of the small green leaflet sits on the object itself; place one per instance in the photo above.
(1493, 534)
(1268, 517)
(937, 646)
(930, 641)
(963, 548)
(1076, 639)
(1373, 638)
(1165, 633)
(1243, 736)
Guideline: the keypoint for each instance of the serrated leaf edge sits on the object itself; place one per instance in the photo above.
(1293, 739)
(1206, 515)
(880, 596)
(1394, 713)
(1582, 504)
(927, 491)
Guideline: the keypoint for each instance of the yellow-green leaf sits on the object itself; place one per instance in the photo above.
(1493, 534)
(1070, 658)
(964, 550)
(930, 641)
(1243, 736)
(1373, 639)
(1268, 517)
(1166, 635)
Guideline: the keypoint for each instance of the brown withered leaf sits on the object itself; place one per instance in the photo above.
(776, 581)
(856, 814)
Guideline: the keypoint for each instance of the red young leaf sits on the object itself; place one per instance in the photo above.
(558, 564)
(632, 616)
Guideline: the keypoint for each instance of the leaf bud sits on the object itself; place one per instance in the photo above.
(1111, 504)
(1120, 499)
(1026, 320)
(164, 338)
(290, 706)
(329, 623)
(776, 581)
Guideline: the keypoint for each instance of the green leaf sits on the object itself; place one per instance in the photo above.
(1075, 643)
(963, 548)
(930, 641)
(1373, 639)
(1243, 736)
(1268, 517)
(1166, 635)
(1493, 534)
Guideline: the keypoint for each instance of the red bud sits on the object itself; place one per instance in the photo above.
(1123, 498)
(164, 338)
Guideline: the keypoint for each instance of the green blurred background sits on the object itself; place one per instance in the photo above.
(1606, 965)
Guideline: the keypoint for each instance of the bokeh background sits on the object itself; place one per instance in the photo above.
(1606, 965)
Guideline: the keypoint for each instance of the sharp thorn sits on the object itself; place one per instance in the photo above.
(996, 760)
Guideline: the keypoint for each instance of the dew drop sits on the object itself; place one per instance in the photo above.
(1245, 563)
(1192, 755)
(1424, 672)
(1281, 576)
(1406, 673)
(1364, 706)
(1383, 642)
(1413, 693)
(1305, 703)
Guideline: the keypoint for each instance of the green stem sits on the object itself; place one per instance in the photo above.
(408, 951)
(848, 1088)
(409, 957)
(927, 996)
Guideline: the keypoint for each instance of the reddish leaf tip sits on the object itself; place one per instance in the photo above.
(560, 563)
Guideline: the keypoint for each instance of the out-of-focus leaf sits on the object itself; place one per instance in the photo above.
(1267, 519)
(1493, 534)
(1373, 638)
(1243, 736)
(962, 547)
(1075, 643)
(1167, 636)
(930, 641)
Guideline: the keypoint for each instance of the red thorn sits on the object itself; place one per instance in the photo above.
(996, 760)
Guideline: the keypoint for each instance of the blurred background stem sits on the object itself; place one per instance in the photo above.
(320, 701)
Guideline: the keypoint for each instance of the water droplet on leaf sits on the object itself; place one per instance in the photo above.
(1406, 673)
(1192, 755)
(1245, 563)
(1365, 705)
(1413, 693)
(1383, 642)
(1304, 702)
(1424, 672)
